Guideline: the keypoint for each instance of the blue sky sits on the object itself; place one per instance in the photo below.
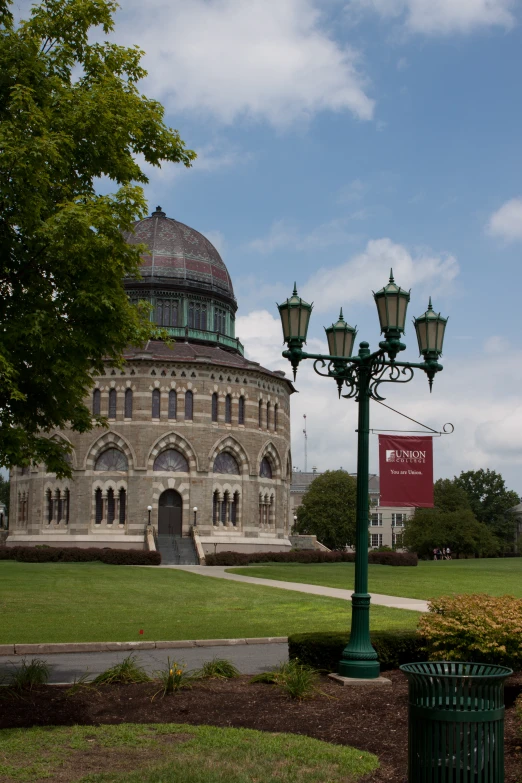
(337, 139)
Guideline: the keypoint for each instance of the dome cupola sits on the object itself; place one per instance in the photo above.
(185, 280)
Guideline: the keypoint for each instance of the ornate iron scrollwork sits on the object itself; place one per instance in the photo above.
(382, 372)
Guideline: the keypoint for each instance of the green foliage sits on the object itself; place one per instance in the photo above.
(125, 672)
(323, 650)
(295, 678)
(383, 556)
(328, 509)
(218, 668)
(173, 678)
(29, 675)
(4, 492)
(490, 501)
(448, 495)
(430, 528)
(479, 628)
(51, 554)
(70, 112)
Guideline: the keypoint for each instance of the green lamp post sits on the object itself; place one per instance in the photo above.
(361, 375)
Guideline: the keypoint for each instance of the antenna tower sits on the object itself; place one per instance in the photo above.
(306, 444)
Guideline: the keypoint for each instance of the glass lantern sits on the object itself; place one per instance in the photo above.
(295, 316)
(430, 328)
(341, 337)
(392, 302)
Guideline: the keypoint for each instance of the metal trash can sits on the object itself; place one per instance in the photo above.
(455, 722)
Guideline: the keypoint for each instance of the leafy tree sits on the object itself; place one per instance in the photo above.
(328, 509)
(70, 112)
(429, 529)
(448, 495)
(4, 492)
(490, 501)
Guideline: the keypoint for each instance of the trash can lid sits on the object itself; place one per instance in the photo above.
(460, 669)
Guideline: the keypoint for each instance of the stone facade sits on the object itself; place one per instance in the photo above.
(188, 403)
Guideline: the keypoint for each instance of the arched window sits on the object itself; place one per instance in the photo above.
(59, 503)
(156, 403)
(98, 502)
(215, 407)
(225, 504)
(111, 459)
(96, 402)
(173, 404)
(197, 315)
(228, 409)
(128, 403)
(226, 463)
(189, 406)
(268, 415)
(110, 506)
(220, 320)
(67, 504)
(215, 508)
(260, 413)
(122, 514)
(276, 411)
(171, 460)
(49, 499)
(112, 404)
(234, 509)
(241, 411)
(265, 470)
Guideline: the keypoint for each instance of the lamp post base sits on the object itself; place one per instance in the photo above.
(359, 680)
(360, 670)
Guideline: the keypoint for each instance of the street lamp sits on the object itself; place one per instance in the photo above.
(195, 510)
(361, 375)
(149, 509)
(295, 523)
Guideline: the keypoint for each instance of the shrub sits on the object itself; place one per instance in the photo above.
(309, 556)
(29, 675)
(323, 650)
(27, 554)
(293, 677)
(219, 668)
(173, 678)
(478, 628)
(125, 672)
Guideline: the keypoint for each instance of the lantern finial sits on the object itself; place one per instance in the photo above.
(391, 276)
(430, 306)
(341, 315)
(294, 292)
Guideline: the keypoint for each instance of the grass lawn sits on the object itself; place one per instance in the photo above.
(429, 579)
(95, 602)
(169, 753)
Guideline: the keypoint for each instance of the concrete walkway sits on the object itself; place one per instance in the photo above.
(220, 572)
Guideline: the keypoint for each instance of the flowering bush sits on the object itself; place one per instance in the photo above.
(479, 628)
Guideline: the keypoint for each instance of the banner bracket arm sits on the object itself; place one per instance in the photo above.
(447, 428)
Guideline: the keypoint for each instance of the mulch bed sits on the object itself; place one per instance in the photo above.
(369, 718)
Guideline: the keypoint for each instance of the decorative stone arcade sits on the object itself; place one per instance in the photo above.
(190, 425)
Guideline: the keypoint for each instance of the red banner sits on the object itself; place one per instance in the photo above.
(406, 471)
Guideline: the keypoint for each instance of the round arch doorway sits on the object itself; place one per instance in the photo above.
(170, 513)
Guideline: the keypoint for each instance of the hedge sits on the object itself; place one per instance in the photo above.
(309, 556)
(48, 554)
(324, 650)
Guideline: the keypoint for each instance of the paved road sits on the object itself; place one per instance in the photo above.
(65, 667)
(220, 572)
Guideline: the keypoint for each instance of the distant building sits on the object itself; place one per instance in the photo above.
(386, 522)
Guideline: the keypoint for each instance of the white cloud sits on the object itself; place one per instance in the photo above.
(487, 428)
(506, 222)
(353, 280)
(443, 17)
(266, 60)
(286, 234)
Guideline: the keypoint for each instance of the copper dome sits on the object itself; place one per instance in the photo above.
(180, 257)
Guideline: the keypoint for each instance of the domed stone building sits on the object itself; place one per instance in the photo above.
(198, 438)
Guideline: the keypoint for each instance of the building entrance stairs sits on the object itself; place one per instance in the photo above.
(176, 551)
